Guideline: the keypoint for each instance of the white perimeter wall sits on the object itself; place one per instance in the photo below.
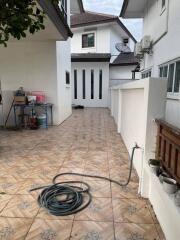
(88, 102)
(168, 48)
(134, 107)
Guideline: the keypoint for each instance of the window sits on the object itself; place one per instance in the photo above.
(100, 84)
(88, 40)
(92, 84)
(67, 78)
(146, 74)
(172, 72)
(75, 84)
(64, 8)
(177, 78)
(84, 84)
(170, 77)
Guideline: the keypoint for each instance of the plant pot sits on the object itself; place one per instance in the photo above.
(169, 185)
(154, 166)
(162, 176)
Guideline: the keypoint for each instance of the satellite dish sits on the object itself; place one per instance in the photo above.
(122, 48)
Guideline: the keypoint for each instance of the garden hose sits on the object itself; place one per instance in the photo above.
(67, 198)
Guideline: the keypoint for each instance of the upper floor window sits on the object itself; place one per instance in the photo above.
(172, 72)
(88, 40)
(63, 6)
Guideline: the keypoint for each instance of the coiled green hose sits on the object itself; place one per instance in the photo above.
(64, 198)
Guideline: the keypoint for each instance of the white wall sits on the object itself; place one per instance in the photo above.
(135, 106)
(102, 41)
(168, 48)
(34, 66)
(31, 65)
(88, 102)
(64, 91)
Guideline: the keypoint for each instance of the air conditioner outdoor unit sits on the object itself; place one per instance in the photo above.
(146, 43)
(138, 50)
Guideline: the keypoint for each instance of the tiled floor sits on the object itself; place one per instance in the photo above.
(86, 143)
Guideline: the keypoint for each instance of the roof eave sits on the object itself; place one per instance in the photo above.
(131, 14)
(56, 17)
(124, 7)
(123, 64)
(81, 6)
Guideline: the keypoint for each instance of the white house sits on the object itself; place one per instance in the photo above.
(159, 52)
(96, 62)
(42, 61)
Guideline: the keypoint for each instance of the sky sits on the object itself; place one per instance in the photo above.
(114, 7)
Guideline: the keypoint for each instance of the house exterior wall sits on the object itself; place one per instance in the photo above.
(156, 24)
(102, 40)
(88, 102)
(63, 89)
(31, 65)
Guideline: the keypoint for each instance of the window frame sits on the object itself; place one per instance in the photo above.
(173, 94)
(88, 33)
(146, 73)
(68, 78)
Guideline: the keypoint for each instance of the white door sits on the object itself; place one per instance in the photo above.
(90, 84)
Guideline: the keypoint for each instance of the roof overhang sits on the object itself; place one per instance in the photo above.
(56, 17)
(90, 57)
(133, 9)
(77, 6)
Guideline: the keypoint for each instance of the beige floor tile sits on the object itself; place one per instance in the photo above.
(100, 209)
(130, 191)
(99, 189)
(160, 232)
(50, 230)
(87, 230)
(131, 231)
(9, 185)
(131, 211)
(14, 228)
(4, 199)
(21, 206)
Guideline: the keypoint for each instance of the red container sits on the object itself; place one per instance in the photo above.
(40, 96)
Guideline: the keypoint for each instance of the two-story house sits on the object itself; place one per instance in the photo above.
(161, 24)
(161, 59)
(41, 62)
(97, 59)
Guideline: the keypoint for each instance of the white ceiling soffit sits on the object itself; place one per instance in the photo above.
(76, 6)
(134, 9)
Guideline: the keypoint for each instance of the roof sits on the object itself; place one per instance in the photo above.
(90, 57)
(125, 59)
(124, 7)
(133, 8)
(91, 18)
(55, 15)
(81, 5)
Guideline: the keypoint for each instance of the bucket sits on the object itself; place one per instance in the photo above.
(41, 121)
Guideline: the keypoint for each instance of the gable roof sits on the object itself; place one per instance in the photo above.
(90, 57)
(92, 18)
(125, 59)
